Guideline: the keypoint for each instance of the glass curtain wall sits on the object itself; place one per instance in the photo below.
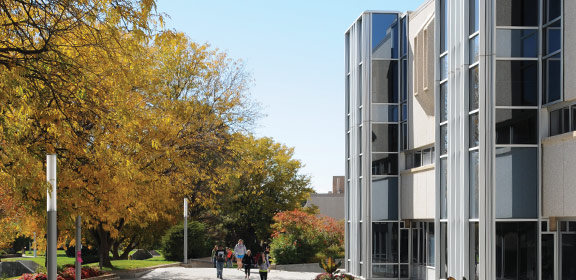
(552, 51)
(474, 135)
(442, 138)
(388, 120)
(516, 138)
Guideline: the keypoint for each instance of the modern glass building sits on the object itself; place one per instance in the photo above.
(460, 142)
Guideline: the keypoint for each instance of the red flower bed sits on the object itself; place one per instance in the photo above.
(68, 273)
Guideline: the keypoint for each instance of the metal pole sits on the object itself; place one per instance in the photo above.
(51, 253)
(35, 245)
(78, 247)
(185, 230)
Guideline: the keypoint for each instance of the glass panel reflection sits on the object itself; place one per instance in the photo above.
(553, 39)
(385, 199)
(553, 70)
(516, 183)
(384, 113)
(473, 181)
(474, 132)
(474, 89)
(443, 102)
(384, 81)
(474, 49)
(384, 137)
(516, 126)
(384, 164)
(385, 36)
(517, 83)
(385, 243)
(517, 42)
(516, 250)
(517, 12)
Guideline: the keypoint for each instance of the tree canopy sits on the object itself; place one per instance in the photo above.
(139, 116)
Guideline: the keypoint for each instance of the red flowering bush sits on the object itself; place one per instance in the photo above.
(299, 236)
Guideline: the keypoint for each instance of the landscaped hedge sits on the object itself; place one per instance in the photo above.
(198, 244)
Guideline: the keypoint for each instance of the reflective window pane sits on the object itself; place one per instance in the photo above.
(443, 26)
(516, 183)
(474, 89)
(404, 80)
(385, 36)
(473, 16)
(443, 102)
(444, 68)
(548, 257)
(384, 113)
(474, 49)
(431, 244)
(384, 81)
(385, 199)
(517, 42)
(404, 136)
(384, 137)
(516, 250)
(384, 164)
(516, 126)
(474, 251)
(404, 245)
(474, 132)
(385, 271)
(552, 39)
(573, 118)
(443, 140)
(568, 256)
(473, 181)
(517, 12)
(443, 188)
(553, 9)
(516, 83)
(385, 243)
(404, 111)
(559, 121)
(553, 90)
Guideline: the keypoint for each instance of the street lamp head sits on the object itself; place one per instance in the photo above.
(51, 178)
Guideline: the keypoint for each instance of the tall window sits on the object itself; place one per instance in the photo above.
(552, 51)
(388, 117)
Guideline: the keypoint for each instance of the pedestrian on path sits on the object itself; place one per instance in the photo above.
(247, 261)
(239, 251)
(213, 255)
(229, 257)
(263, 266)
(220, 260)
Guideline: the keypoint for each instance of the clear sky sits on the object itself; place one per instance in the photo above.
(295, 53)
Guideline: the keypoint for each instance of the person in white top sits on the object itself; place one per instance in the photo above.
(239, 251)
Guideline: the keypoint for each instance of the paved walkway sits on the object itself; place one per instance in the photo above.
(177, 273)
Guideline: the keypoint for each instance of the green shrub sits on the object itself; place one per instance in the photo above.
(198, 244)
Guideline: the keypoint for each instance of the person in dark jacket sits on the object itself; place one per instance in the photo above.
(247, 262)
(220, 260)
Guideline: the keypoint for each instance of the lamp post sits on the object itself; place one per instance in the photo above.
(51, 213)
(78, 267)
(185, 230)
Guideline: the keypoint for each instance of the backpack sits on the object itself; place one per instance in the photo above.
(220, 256)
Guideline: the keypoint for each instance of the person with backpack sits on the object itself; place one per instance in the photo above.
(247, 262)
(239, 251)
(220, 260)
(263, 266)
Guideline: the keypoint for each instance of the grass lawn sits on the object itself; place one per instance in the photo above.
(118, 264)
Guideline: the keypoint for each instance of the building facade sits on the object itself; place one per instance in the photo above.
(460, 142)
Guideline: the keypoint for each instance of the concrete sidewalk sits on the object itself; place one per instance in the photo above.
(181, 273)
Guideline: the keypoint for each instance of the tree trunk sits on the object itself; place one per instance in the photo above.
(104, 247)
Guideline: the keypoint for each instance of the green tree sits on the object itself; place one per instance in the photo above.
(267, 180)
(198, 243)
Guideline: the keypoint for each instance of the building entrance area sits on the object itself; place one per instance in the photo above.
(559, 251)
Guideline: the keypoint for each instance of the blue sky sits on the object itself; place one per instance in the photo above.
(295, 53)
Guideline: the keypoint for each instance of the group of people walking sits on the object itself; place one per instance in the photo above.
(244, 259)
